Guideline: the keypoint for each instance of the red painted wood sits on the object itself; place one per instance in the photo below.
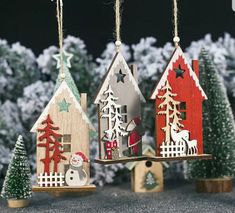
(195, 66)
(186, 91)
(51, 144)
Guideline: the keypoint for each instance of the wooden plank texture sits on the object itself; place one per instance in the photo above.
(193, 157)
(87, 188)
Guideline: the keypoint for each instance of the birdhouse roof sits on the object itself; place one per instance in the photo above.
(176, 55)
(118, 58)
(146, 149)
(63, 86)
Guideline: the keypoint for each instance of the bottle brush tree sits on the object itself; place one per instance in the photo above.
(17, 184)
(218, 126)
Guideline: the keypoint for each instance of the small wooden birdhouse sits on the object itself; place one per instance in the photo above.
(63, 138)
(178, 99)
(147, 176)
(119, 112)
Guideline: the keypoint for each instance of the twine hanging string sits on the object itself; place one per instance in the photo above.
(118, 42)
(59, 10)
(176, 38)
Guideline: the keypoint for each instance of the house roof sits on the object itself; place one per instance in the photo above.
(70, 82)
(118, 58)
(146, 149)
(63, 86)
(177, 53)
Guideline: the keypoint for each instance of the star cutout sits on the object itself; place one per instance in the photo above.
(120, 76)
(66, 59)
(179, 72)
(64, 106)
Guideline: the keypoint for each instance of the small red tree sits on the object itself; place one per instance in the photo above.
(51, 144)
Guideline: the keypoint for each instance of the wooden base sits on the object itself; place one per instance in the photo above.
(65, 190)
(214, 185)
(194, 157)
(121, 160)
(14, 203)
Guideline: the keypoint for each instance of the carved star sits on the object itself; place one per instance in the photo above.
(66, 59)
(179, 72)
(64, 106)
(120, 76)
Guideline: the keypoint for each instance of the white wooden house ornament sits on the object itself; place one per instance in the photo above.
(119, 113)
(63, 141)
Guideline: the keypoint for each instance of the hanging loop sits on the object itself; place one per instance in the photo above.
(59, 10)
(176, 38)
(118, 42)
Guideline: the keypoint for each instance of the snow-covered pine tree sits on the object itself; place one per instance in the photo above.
(17, 184)
(218, 126)
(17, 70)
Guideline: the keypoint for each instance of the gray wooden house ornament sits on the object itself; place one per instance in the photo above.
(119, 113)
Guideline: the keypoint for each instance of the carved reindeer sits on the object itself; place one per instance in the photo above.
(179, 136)
(192, 147)
(183, 136)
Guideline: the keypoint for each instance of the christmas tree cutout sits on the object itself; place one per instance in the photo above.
(112, 112)
(150, 181)
(51, 144)
(169, 108)
(17, 184)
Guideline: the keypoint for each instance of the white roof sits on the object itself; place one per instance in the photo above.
(178, 52)
(116, 61)
(63, 86)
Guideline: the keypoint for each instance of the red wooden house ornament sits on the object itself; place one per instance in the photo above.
(178, 99)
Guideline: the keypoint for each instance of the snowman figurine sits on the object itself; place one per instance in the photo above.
(76, 175)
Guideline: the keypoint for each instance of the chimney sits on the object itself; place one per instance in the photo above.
(84, 101)
(195, 65)
(134, 71)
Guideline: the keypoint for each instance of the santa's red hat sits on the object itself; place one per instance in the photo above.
(85, 159)
(137, 121)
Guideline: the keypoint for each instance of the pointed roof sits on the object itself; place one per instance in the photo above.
(146, 149)
(118, 58)
(177, 53)
(70, 82)
(63, 86)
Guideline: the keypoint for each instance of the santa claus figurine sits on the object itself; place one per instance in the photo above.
(76, 175)
(136, 132)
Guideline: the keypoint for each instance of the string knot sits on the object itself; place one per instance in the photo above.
(118, 45)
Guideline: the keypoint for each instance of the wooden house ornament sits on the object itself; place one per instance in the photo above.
(119, 113)
(63, 140)
(147, 176)
(178, 100)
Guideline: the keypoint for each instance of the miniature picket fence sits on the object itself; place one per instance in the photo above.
(173, 149)
(51, 180)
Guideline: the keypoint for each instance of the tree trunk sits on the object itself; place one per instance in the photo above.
(214, 185)
(14, 203)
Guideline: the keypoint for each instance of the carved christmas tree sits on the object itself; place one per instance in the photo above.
(169, 108)
(51, 144)
(150, 181)
(112, 112)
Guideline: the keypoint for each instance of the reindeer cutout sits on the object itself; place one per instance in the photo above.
(183, 136)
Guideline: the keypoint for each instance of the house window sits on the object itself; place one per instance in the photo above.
(124, 113)
(182, 109)
(66, 142)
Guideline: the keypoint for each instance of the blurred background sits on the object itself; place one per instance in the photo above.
(33, 23)
(28, 32)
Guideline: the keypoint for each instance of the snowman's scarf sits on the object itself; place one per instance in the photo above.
(80, 170)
